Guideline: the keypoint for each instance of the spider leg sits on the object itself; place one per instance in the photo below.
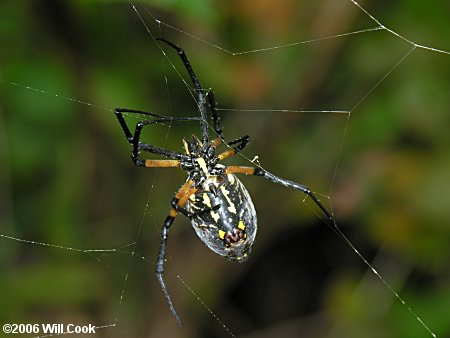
(218, 129)
(242, 142)
(160, 265)
(215, 116)
(138, 145)
(188, 214)
(162, 163)
(181, 197)
(119, 114)
(200, 91)
(275, 179)
(134, 138)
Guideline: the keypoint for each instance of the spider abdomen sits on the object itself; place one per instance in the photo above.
(225, 217)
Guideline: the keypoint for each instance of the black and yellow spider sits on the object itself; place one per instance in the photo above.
(217, 203)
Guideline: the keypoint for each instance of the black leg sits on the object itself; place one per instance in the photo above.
(218, 127)
(134, 139)
(296, 186)
(175, 202)
(200, 91)
(119, 114)
(177, 208)
(180, 199)
(138, 145)
(160, 265)
(275, 179)
(242, 143)
(230, 152)
(215, 115)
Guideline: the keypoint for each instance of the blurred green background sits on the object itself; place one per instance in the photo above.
(66, 178)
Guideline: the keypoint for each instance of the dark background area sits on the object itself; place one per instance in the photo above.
(68, 186)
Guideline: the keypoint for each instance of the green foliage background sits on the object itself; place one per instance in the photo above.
(67, 184)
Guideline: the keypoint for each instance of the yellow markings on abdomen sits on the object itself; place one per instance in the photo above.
(231, 207)
(215, 215)
(221, 234)
(207, 202)
(241, 225)
(231, 179)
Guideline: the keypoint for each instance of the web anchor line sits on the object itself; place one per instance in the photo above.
(381, 26)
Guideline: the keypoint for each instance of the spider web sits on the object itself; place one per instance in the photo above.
(109, 262)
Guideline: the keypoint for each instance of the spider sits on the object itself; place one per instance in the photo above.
(217, 203)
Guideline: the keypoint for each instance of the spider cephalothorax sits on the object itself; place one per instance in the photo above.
(217, 203)
(201, 158)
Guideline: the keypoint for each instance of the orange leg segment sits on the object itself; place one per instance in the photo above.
(235, 169)
(162, 163)
(182, 197)
(216, 142)
(226, 154)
